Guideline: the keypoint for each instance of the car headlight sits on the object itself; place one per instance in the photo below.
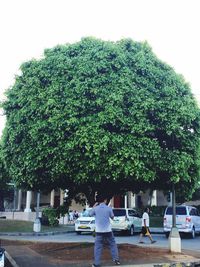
(92, 222)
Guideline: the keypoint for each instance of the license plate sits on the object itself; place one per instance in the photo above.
(84, 227)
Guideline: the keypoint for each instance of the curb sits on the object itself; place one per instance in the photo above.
(36, 234)
(174, 264)
(50, 233)
(10, 259)
(178, 264)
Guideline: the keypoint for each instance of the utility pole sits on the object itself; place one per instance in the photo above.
(37, 223)
(174, 237)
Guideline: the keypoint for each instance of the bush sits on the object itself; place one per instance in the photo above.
(62, 211)
(51, 214)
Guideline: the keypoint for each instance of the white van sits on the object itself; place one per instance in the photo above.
(187, 220)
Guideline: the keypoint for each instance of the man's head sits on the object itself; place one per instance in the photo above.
(147, 210)
(101, 198)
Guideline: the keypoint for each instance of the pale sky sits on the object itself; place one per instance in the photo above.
(171, 27)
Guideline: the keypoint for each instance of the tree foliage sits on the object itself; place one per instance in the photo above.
(5, 192)
(101, 115)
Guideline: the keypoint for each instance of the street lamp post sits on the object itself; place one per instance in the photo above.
(174, 237)
(37, 223)
(173, 207)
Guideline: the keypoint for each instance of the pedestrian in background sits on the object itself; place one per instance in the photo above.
(104, 234)
(71, 216)
(145, 227)
(76, 215)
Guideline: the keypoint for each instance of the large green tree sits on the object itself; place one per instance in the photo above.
(101, 115)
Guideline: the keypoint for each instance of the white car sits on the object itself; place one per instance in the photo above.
(85, 223)
(187, 220)
(126, 220)
(2, 257)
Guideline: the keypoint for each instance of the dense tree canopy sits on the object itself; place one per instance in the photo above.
(101, 114)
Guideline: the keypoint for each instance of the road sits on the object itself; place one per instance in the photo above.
(162, 241)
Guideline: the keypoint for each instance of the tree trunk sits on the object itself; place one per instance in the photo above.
(1, 201)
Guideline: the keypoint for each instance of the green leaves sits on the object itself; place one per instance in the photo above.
(96, 112)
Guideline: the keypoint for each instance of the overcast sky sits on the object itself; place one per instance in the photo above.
(171, 27)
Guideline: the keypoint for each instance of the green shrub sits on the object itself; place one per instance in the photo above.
(51, 214)
(62, 211)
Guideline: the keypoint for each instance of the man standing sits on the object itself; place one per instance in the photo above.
(102, 214)
(145, 226)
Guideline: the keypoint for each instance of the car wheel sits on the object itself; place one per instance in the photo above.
(131, 231)
(192, 234)
(78, 232)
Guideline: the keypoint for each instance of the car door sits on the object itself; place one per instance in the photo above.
(195, 218)
(198, 219)
(135, 219)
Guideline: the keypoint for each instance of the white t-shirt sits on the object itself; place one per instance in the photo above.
(145, 217)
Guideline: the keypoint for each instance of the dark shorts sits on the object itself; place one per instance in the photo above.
(145, 230)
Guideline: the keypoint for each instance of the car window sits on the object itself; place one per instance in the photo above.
(138, 215)
(119, 212)
(86, 213)
(134, 213)
(193, 212)
(179, 211)
(131, 213)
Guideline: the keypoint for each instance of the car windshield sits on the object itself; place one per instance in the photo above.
(179, 211)
(119, 212)
(85, 213)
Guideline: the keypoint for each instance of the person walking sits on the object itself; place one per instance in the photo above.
(71, 216)
(145, 227)
(104, 234)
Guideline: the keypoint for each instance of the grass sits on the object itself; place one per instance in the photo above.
(156, 221)
(26, 226)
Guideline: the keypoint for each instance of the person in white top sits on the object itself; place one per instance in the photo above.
(145, 227)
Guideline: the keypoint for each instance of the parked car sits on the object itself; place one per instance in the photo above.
(126, 220)
(187, 220)
(85, 223)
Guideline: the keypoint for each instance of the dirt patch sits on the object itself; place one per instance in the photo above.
(81, 254)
